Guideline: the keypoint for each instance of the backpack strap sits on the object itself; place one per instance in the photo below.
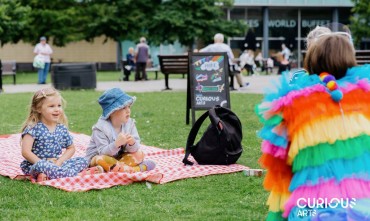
(191, 138)
(215, 120)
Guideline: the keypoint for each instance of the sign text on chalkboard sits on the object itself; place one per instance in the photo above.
(209, 81)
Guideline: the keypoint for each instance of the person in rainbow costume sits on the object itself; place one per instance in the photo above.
(316, 136)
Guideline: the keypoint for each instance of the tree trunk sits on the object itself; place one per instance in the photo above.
(119, 55)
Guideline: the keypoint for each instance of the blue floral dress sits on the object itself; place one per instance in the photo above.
(49, 145)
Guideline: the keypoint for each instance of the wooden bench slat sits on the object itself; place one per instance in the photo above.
(363, 57)
(177, 72)
(9, 68)
(363, 62)
(173, 64)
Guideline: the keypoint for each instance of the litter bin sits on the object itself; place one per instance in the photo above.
(74, 76)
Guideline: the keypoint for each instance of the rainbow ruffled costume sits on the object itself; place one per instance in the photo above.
(315, 147)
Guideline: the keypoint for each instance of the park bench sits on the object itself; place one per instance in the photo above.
(173, 64)
(125, 71)
(363, 57)
(8, 68)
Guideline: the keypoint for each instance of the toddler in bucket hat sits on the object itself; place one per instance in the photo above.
(115, 142)
(114, 99)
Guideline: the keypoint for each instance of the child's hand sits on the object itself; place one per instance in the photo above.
(130, 140)
(53, 160)
(121, 140)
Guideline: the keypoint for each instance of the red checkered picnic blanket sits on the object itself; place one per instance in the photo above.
(169, 167)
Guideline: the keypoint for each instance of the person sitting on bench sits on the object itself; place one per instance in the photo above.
(130, 65)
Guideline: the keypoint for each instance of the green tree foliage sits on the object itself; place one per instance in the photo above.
(191, 20)
(360, 26)
(59, 20)
(64, 21)
(13, 20)
(117, 19)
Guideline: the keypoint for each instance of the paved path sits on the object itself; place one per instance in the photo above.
(257, 85)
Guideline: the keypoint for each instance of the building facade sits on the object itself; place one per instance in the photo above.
(285, 21)
(99, 51)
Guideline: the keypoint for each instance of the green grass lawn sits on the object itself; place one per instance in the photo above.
(161, 122)
(31, 77)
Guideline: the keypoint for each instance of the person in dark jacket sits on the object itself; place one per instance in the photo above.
(142, 55)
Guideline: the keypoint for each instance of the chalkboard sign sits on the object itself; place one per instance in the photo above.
(209, 80)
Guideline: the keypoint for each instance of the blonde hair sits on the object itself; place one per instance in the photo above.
(315, 34)
(37, 101)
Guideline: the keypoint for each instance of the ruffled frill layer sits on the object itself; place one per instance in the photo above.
(278, 175)
(320, 106)
(319, 154)
(355, 210)
(284, 93)
(360, 211)
(267, 133)
(317, 214)
(276, 201)
(276, 181)
(328, 131)
(338, 169)
(347, 188)
(275, 151)
(275, 216)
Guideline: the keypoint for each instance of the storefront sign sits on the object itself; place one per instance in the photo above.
(288, 23)
(314, 23)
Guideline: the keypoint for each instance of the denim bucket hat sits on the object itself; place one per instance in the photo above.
(114, 99)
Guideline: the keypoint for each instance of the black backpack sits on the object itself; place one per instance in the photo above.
(216, 146)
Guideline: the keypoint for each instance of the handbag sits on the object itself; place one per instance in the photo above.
(38, 62)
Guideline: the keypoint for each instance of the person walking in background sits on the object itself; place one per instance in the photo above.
(250, 42)
(43, 50)
(284, 60)
(247, 61)
(141, 57)
(285, 51)
(220, 46)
